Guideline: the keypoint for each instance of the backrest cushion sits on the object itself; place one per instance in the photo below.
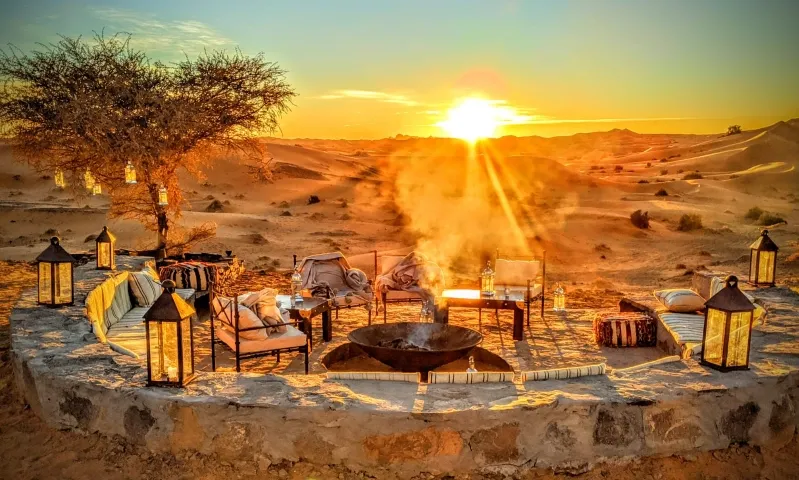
(680, 300)
(270, 315)
(143, 288)
(189, 275)
(515, 272)
(108, 303)
(387, 262)
(222, 310)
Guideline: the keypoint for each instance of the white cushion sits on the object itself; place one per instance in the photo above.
(515, 272)
(247, 319)
(144, 289)
(683, 327)
(267, 295)
(271, 315)
(292, 337)
(680, 300)
(185, 293)
(388, 262)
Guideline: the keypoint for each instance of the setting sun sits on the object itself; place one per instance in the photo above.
(471, 119)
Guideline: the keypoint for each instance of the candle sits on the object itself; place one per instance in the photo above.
(172, 374)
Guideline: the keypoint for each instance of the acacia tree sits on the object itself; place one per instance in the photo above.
(96, 105)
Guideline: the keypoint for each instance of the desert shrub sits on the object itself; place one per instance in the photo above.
(640, 219)
(692, 176)
(618, 168)
(215, 206)
(313, 199)
(680, 170)
(90, 238)
(754, 213)
(690, 221)
(648, 164)
(770, 219)
(284, 204)
(733, 176)
(662, 193)
(664, 171)
(663, 160)
(680, 266)
(594, 167)
(344, 204)
(285, 214)
(643, 180)
(733, 129)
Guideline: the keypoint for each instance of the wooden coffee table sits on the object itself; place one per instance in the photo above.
(306, 311)
(467, 298)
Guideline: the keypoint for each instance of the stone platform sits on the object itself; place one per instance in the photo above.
(71, 381)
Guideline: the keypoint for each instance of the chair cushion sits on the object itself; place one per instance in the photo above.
(292, 337)
(684, 327)
(535, 289)
(222, 309)
(515, 272)
(388, 262)
(144, 289)
(680, 300)
(108, 303)
(129, 332)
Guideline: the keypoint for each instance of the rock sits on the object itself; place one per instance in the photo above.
(263, 463)
(413, 445)
(689, 458)
(497, 444)
(282, 473)
(617, 428)
(737, 423)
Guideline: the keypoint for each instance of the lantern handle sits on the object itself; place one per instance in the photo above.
(764, 232)
(732, 281)
(54, 241)
(168, 286)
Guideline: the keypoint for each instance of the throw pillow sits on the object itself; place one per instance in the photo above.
(247, 319)
(270, 315)
(680, 300)
(144, 288)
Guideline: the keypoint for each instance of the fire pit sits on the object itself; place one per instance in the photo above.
(415, 347)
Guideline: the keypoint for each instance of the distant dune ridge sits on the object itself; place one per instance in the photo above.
(563, 194)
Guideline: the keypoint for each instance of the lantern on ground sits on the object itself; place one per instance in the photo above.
(106, 242)
(130, 173)
(728, 329)
(763, 260)
(97, 189)
(170, 343)
(88, 179)
(59, 178)
(55, 275)
(559, 299)
(163, 199)
(487, 281)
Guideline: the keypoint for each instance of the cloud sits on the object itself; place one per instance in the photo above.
(154, 35)
(371, 95)
(553, 120)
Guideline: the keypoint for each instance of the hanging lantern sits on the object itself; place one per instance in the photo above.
(763, 260)
(88, 178)
(106, 242)
(559, 299)
(163, 199)
(97, 189)
(170, 343)
(728, 329)
(55, 283)
(130, 173)
(487, 281)
(59, 178)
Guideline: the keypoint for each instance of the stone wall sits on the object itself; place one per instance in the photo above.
(71, 381)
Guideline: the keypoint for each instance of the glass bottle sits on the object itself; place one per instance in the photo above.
(471, 368)
(296, 287)
(487, 281)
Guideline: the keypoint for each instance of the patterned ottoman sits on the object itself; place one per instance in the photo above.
(625, 329)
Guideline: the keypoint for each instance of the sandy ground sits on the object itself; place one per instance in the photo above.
(571, 196)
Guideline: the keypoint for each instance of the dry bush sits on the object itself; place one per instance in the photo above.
(214, 207)
(692, 176)
(770, 219)
(640, 219)
(662, 193)
(313, 199)
(643, 181)
(618, 168)
(754, 213)
(664, 171)
(689, 222)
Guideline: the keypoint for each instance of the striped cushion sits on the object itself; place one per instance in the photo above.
(143, 288)
(680, 300)
(194, 275)
(385, 376)
(467, 377)
(684, 327)
(564, 373)
(108, 303)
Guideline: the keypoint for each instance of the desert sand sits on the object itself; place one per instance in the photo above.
(571, 196)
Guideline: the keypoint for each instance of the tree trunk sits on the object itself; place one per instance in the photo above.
(163, 227)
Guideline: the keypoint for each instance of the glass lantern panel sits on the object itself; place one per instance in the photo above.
(104, 255)
(130, 174)
(753, 266)
(738, 348)
(164, 351)
(45, 286)
(187, 353)
(714, 336)
(162, 197)
(63, 283)
(765, 272)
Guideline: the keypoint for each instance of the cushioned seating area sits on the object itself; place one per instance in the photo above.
(680, 333)
(292, 337)
(114, 319)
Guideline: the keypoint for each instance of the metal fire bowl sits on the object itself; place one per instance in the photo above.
(446, 343)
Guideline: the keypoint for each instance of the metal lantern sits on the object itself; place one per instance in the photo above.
(59, 178)
(487, 281)
(130, 173)
(106, 242)
(728, 329)
(763, 260)
(296, 287)
(559, 299)
(170, 342)
(97, 189)
(163, 200)
(88, 178)
(56, 280)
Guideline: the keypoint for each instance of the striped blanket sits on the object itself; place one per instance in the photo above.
(625, 329)
(564, 373)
